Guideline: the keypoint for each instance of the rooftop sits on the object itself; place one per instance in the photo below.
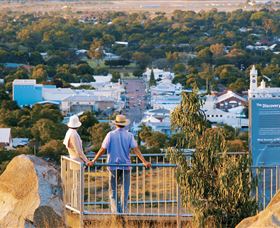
(24, 82)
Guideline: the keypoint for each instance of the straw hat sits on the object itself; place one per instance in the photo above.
(121, 120)
(74, 122)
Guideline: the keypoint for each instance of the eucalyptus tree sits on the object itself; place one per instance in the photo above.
(214, 185)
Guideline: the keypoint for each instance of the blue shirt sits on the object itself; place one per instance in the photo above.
(118, 144)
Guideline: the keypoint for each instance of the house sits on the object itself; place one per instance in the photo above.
(157, 119)
(166, 87)
(124, 43)
(163, 126)
(110, 56)
(234, 117)
(168, 102)
(12, 65)
(81, 52)
(158, 73)
(261, 47)
(229, 100)
(44, 55)
(5, 138)
(17, 142)
(158, 114)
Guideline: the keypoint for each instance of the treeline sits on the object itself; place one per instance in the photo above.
(197, 46)
(206, 46)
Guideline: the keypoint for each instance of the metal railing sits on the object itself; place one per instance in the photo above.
(72, 175)
(267, 184)
(152, 192)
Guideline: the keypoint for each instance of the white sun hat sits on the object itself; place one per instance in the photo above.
(121, 120)
(74, 122)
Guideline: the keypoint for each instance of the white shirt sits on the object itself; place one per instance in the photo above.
(74, 144)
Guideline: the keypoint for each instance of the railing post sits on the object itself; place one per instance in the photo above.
(81, 189)
(82, 195)
(277, 177)
(178, 207)
(62, 173)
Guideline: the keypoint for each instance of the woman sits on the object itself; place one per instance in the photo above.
(73, 141)
(74, 145)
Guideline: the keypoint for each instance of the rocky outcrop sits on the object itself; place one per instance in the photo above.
(30, 194)
(269, 217)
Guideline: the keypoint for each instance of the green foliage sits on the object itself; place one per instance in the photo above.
(39, 73)
(184, 38)
(53, 150)
(44, 130)
(84, 68)
(152, 81)
(88, 120)
(189, 118)
(152, 139)
(98, 133)
(144, 133)
(215, 185)
(116, 76)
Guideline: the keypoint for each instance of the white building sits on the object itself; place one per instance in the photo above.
(157, 119)
(158, 73)
(105, 95)
(124, 43)
(6, 138)
(261, 91)
(166, 87)
(165, 102)
(165, 95)
(229, 100)
(158, 114)
(233, 117)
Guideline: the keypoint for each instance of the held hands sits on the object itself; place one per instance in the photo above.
(147, 164)
(89, 163)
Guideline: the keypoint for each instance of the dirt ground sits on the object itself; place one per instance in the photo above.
(90, 6)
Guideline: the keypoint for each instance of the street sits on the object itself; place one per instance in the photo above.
(136, 103)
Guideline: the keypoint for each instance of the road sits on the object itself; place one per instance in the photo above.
(136, 103)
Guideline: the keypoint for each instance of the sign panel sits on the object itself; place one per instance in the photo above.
(265, 131)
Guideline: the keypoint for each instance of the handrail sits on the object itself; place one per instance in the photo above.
(71, 159)
(134, 155)
(135, 165)
(164, 154)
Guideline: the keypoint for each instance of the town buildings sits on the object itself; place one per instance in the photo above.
(227, 108)
(105, 95)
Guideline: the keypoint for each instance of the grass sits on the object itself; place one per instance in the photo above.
(73, 221)
(95, 63)
(151, 186)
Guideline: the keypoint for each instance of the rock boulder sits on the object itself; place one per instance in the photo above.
(30, 194)
(269, 217)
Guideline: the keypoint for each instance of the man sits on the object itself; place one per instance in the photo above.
(74, 145)
(118, 144)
